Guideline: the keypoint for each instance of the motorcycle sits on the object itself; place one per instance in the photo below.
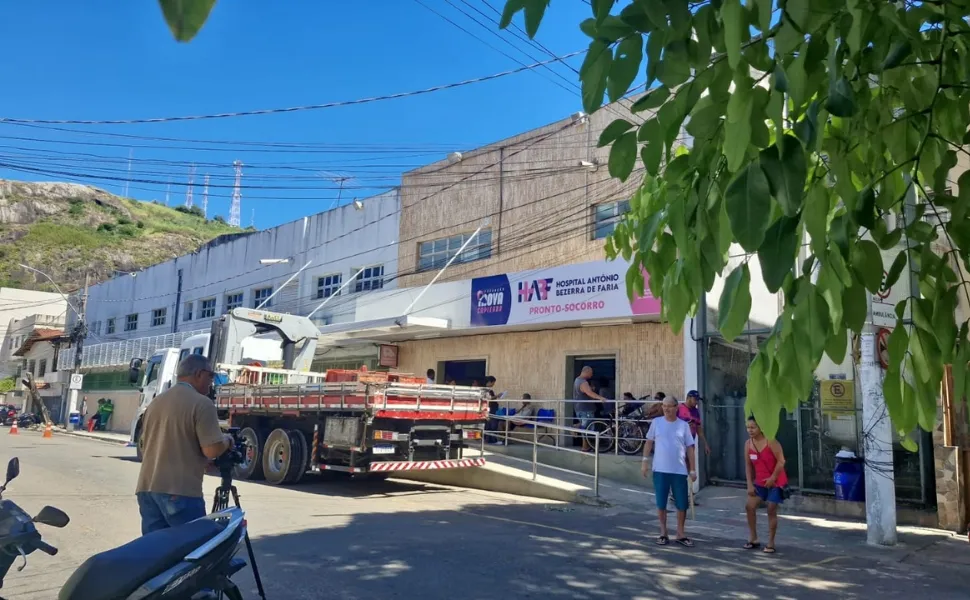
(189, 562)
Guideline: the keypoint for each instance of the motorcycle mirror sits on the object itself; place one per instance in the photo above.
(13, 469)
(54, 517)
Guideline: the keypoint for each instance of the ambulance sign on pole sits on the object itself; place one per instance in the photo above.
(885, 300)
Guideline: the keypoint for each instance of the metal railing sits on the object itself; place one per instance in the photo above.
(536, 443)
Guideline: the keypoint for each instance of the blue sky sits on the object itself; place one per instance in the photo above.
(105, 60)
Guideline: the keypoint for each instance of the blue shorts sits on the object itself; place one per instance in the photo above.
(159, 511)
(664, 484)
(774, 495)
(585, 417)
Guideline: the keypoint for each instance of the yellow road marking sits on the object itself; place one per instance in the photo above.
(669, 549)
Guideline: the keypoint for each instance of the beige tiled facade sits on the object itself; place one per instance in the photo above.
(533, 191)
(649, 357)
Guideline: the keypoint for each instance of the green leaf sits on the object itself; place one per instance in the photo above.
(186, 17)
(534, 10)
(651, 99)
(652, 151)
(777, 253)
(674, 69)
(897, 52)
(797, 80)
(837, 344)
(588, 26)
(593, 74)
(786, 171)
(613, 131)
(840, 102)
(892, 276)
(655, 11)
(737, 127)
(867, 262)
(635, 15)
(758, 402)
(748, 199)
(856, 308)
(943, 317)
(816, 216)
(601, 9)
(864, 210)
(892, 391)
(897, 344)
(811, 321)
(908, 444)
(734, 22)
(611, 29)
(764, 14)
(626, 65)
(655, 46)
(735, 304)
(807, 128)
(831, 288)
(623, 156)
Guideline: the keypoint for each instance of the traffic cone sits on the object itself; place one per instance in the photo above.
(13, 428)
(48, 432)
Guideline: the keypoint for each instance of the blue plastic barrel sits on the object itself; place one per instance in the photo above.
(849, 479)
(75, 418)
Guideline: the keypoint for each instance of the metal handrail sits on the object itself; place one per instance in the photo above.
(535, 443)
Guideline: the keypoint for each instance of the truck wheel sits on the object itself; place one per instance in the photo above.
(302, 448)
(252, 467)
(280, 457)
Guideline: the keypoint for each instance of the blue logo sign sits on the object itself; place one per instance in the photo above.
(491, 300)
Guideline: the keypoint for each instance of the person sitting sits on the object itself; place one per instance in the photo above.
(527, 411)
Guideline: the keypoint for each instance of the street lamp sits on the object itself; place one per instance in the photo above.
(77, 336)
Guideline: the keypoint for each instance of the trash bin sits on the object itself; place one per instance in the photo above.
(849, 477)
(75, 420)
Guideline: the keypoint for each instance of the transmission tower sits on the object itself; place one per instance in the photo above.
(205, 196)
(236, 206)
(188, 188)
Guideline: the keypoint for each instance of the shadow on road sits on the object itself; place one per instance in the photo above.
(535, 551)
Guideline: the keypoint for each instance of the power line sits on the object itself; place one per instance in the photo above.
(290, 109)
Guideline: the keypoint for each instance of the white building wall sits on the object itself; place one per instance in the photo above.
(16, 306)
(338, 241)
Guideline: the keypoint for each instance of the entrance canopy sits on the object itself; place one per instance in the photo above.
(389, 329)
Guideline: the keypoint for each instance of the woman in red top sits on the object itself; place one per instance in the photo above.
(765, 470)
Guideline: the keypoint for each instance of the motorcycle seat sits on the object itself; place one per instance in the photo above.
(115, 574)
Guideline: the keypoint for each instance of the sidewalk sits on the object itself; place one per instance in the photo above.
(720, 515)
(103, 436)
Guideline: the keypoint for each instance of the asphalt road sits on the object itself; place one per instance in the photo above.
(345, 539)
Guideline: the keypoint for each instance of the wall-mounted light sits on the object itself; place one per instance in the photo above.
(273, 261)
(358, 204)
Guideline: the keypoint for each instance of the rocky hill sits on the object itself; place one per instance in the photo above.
(67, 230)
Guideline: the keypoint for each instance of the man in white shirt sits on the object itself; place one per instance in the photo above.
(673, 464)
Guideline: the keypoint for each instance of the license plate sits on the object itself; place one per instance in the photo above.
(383, 450)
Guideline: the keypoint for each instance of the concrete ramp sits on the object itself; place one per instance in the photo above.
(506, 479)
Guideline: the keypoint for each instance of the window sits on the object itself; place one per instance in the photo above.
(328, 285)
(152, 371)
(109, 326)
(131, 322)
(261, 294)
(234, 301)
(42, 367)
(606, 216)
(436, 253)
(371, 278)
(187, 313)
(158, 317)
(32, 367)
(207, 308)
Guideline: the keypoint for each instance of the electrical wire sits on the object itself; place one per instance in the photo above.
(291, 109)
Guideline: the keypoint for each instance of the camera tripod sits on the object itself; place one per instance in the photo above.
(221, 502)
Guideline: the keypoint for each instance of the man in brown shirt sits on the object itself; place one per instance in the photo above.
(181, 434)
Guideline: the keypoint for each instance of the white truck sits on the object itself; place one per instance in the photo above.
(294, 420)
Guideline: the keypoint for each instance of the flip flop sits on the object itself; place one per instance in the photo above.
(769, 550)
(663, 540)
(751, 546)
(685, 542)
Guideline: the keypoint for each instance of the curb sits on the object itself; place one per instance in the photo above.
(97, 438)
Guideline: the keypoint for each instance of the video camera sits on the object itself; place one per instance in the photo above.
(236, 453)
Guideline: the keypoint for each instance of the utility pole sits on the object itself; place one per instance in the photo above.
(77, 338)
(128, 180)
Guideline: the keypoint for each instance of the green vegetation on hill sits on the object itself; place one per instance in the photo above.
(68, 230)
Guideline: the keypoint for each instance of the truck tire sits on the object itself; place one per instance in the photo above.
(280, 457)
(300, 444)
(252, 468)
(139, 444)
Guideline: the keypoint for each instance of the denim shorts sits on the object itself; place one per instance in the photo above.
(773, 495)
(585, 417)
(664, 484)
(159, 511)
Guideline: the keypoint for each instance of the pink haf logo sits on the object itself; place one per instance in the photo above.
(537, 289)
